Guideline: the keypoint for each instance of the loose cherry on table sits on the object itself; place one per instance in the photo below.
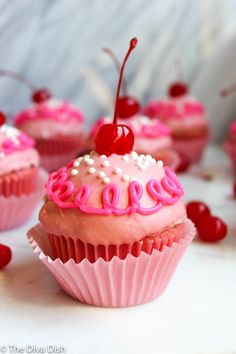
(2, 119)
(127, 106)
(116, 138)
(178, 89)
(210, 228)
(5, 255)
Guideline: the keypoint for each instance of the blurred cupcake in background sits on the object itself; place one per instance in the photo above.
(186, 117)
(21, 181)
(230, 144)
(56, 126)
(151, 137)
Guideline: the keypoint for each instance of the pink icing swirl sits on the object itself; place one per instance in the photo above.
(65, 194)
(177, 109)
(60, 112)
(12, 140)
(141, 126)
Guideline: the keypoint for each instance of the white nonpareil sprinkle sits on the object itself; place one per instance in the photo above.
(133, 179)
(125, 158)
(153, 160)
(90, 162)
(148, 157)
(86, 158)
(101, 174)
(117, 171)
(105, 163)
(160, 163)
(74, 172)
(125, 178)
(106, 180)
(80, 159)
(143, 167)
(103, 156)
(91, 170)
(76, 163)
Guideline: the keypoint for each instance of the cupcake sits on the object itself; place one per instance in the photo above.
(151, 137)
(21, 182)
(230, 144)
(113, 227)
(56, 126)
(186, 117)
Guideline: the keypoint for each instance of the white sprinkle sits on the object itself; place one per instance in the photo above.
(133, 179)
(76, 163)
(86, 158)
(125, 158)
(148, 157)
(74, 172)
(134, 154)
(90, 162)
(125, 178)
(80, 158)
(153, 161)
(105, 163)
(143, 167)
(101, 174)
(91, 170)
(117, 171)
(160, 163)
(106, 180)
(103, 156)
(139, 163)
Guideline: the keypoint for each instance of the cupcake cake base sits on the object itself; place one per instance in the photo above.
(118, 282)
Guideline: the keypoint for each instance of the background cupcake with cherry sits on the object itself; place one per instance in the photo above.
(56, 126)
(187, 119)
(151, 136)
(21, 181)
(113, 227)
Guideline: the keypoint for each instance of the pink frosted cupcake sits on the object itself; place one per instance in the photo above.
(230, 144)
(151, 137)
(56, 126)
(21, 182)
(113, 227)
(186, 117)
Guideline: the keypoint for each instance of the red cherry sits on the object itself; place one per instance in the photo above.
(184, 164)
(197, 211)
(41, 95)
(5, 255)
(114, 139)
(127, 107)
(211, 229)
(2, 119)
(178, 89)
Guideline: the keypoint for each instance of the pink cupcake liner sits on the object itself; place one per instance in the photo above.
(115, 283)
(69, 248)
(16, 210)
(19, 182)
(191, 148)
(230, 149)
(53, 162)
(60, 145)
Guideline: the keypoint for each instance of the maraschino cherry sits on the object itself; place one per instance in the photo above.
(2, 119)
(127, 106)
(178, 89)
(116, 138)
(38, 95)
(5, 255)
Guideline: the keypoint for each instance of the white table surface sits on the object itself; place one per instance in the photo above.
(196, 314)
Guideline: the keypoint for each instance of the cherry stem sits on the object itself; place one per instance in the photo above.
(19, 78)
(117, 65)
(132, 45)
(225, 92)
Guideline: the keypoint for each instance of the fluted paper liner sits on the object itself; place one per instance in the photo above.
(193, 148)
(16, 210)
(114, 283)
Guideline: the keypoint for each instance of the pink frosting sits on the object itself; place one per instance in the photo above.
(16, 150)
(94, 196)
(174, 108)
(49, 119)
